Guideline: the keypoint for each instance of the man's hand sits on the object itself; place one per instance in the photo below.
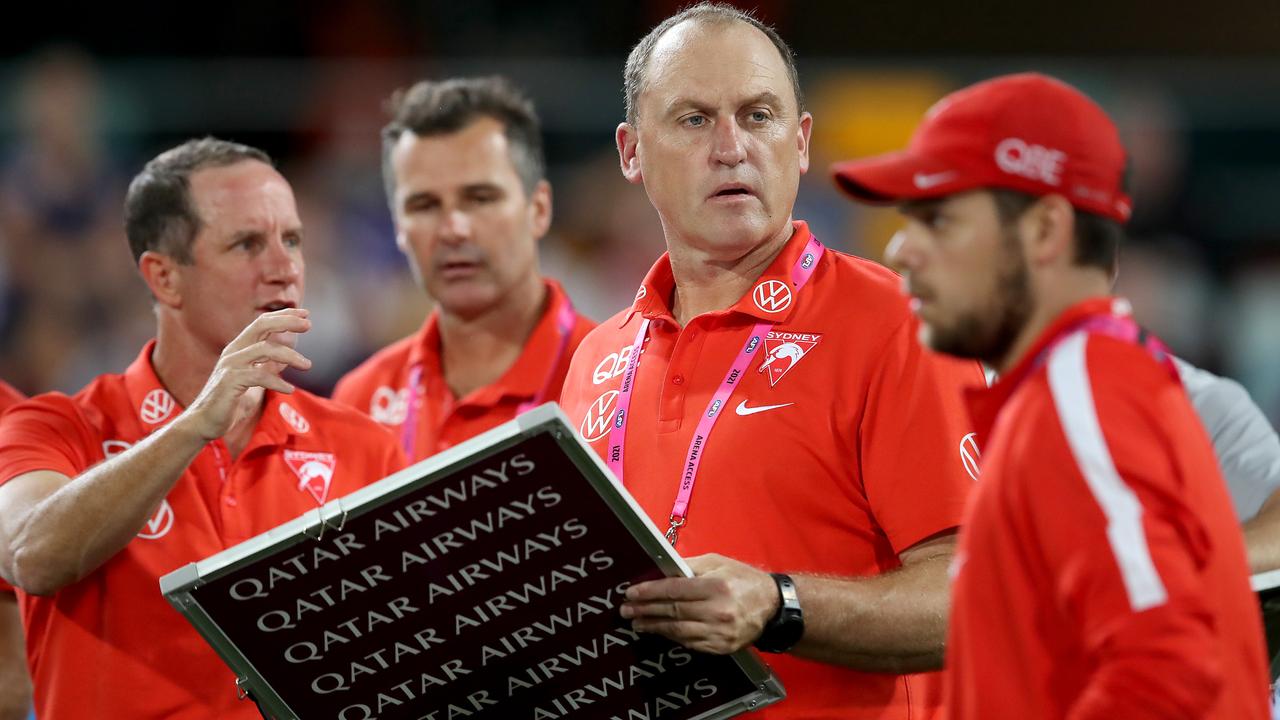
(251, 362)
(720, 610)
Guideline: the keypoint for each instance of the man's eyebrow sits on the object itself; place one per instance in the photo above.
(767, 97)
(909, 207)
(680, 102)
(483, 185)
(420, 195)
(244, 234)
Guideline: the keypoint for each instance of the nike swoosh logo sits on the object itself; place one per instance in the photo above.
(924, 182)
(742, 408)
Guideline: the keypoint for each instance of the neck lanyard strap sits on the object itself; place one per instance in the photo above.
(566, 318)
(409, 428)
(1122, 327)
(800, 274)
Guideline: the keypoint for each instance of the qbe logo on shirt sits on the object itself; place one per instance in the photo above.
(612, 365)
(388, 406)
(294, 418)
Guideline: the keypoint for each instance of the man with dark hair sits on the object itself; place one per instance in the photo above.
(773, 390)
(159, 213)
(198, 445)
(466, 180)
(1101, 572)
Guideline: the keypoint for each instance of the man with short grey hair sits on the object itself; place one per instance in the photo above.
(774, 414)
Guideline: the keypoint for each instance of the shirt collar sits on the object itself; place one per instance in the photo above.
(526, 377)
(425, 350)
(771, 297)
(985, 403)
(155, 407)
(149, 400)
(281, 421)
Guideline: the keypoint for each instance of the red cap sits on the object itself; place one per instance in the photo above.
(1025, 132)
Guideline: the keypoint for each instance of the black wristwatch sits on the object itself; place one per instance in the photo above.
(786, 627)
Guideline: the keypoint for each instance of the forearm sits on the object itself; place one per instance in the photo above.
(15, 685)
(896, 622)
(1262, 538)
(59, 537)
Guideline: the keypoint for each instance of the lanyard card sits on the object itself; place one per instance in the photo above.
(481, 583)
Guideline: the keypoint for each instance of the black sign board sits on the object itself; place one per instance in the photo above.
(480, 584)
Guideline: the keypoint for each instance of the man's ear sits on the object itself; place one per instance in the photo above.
(540, 205)
(161, 274)
(628, 141)
(1048, 231)
(803, 132)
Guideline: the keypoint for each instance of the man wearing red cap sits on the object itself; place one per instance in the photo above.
(1101, 572)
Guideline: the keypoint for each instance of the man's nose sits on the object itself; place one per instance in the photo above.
(727, 143)
(902, 253)
(455, 226)
(282, 262)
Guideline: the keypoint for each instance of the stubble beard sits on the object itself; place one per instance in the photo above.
(988, 334)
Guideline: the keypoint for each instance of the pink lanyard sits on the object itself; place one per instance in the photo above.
(565, 320)
(1120, 327)
(800, 274)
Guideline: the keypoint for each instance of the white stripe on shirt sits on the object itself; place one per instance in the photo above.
(1073, 397)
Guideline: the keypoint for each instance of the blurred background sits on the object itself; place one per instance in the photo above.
(88, 94)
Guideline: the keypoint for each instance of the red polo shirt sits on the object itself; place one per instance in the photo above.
(111, 645)
(1101, 571)
(380, 385)
(9, 397)
(842, 452)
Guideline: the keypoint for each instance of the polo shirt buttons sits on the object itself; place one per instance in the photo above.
(677, 380)
(230, 501)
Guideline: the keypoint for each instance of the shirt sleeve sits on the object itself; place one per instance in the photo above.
(46, 433)
(8, 396)
(394, 458)
(349, 393)
(912, 439)
(1109, 517)
(1244, 442)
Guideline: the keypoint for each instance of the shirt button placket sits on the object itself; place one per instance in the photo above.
(683, 358)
